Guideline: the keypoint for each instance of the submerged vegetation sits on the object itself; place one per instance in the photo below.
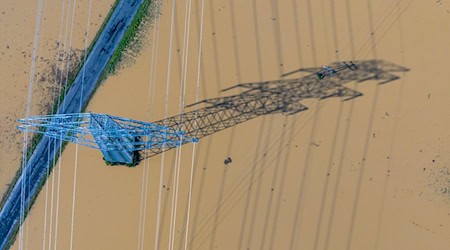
(135, 36)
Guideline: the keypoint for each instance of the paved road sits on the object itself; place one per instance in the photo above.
(36, 168)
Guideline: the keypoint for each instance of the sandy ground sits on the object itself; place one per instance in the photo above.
(18, 24)
(296, 182)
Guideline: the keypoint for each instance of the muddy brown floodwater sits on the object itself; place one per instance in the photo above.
(314, 180)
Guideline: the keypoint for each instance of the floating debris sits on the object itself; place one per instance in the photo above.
(227, 161)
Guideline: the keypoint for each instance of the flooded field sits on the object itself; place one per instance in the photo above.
(367, 173)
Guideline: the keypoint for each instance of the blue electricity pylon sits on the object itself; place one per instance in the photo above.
(118, 138)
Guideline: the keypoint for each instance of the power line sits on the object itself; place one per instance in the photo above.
(25, 147)
(187, 23)
(195, 125)
(155, 45)
(81, 103)
(64, 101)
(49, 141)
(158, 219)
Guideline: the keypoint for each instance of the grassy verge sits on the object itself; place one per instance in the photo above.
(130, 34)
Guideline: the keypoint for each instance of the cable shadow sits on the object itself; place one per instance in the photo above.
(311, 31)
(334, 28)
(304, 178)
(297, 35)
(385, 21)
(258, 183)
(177, 43)
(279, 50)
(217, 210)
(257, 40)
(281, 189)
(261, 129)
(201, 188)
(264, 159)
(336, 132)
(166, 199)
(208, 143)
(291, 135)
(345, 137)
(183, 228)
(391, 156)
(233, 131)
(214, 43)
(271, 194)
(325, 188)
(249, 189)
(306, 165)
(375, 101)
(276, 26)
(235, 41)
(222, 189)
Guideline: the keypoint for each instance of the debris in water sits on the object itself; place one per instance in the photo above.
(227, 161)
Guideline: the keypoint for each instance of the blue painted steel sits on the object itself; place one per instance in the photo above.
(106, 132)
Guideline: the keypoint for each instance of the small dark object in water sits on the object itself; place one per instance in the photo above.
(227, 161)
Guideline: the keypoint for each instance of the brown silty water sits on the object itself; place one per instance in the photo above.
(362, 174)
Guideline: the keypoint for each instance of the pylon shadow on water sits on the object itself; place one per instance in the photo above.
(274, 97)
